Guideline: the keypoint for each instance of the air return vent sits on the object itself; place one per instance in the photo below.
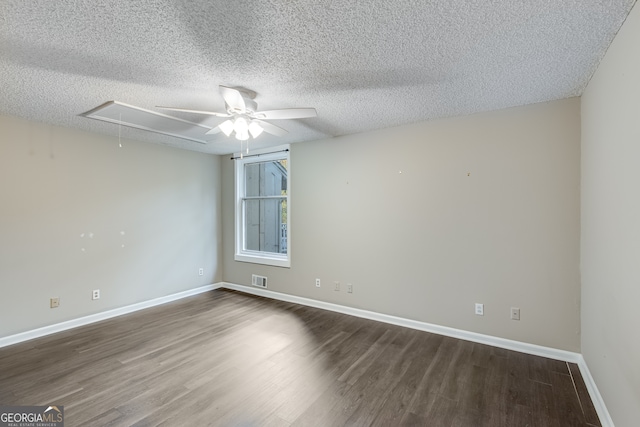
(259, 281)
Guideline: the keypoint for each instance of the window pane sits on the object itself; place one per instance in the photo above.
(265, 224)
(266, 178)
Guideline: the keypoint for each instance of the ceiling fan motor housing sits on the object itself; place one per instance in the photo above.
(250, 106)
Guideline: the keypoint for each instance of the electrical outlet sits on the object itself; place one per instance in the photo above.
(336, 286)
(201, 271)
(515, 313)
(349, 288)
(479, 309)
(317, 283)
(95, 294)
(55, 302)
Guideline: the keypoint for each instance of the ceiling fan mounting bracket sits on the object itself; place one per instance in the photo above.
(246, 93)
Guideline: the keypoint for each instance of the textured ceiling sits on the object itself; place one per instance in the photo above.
(362, 64)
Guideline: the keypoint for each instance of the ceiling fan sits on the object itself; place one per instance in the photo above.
(244, 118)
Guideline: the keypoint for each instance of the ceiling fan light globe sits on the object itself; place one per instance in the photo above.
(255, 129)
(240, 125)
(226, 127)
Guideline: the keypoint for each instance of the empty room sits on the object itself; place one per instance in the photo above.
(297, 213)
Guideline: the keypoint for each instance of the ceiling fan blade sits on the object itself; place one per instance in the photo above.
(286, 113)
(272, 129)
(233, 98)
(214, 130)
(184, 110)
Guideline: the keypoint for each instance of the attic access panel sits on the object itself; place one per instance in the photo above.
(139, 118)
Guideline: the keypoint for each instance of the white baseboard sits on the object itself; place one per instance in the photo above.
(522, 347)
(594, 393)
(537, 350)
(81, 321)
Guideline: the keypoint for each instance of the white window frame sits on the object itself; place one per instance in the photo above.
(259, 257)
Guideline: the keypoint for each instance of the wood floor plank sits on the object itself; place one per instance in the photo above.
(331, 408)
(568, 409)
(458, 371)
(473, 397)
(543, 405)
(434, 373)
(539, 370)
(363, 363)
(589, 411)
(442, 411)
(381, 379)
(518, 387)
(394, 408)
(228, 358)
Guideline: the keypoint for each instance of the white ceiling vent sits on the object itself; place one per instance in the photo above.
(139, 118)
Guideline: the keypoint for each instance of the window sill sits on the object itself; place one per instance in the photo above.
(261, 258)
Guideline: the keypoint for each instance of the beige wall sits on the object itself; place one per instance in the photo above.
(610, 259)
(425, 220)
(56, 184)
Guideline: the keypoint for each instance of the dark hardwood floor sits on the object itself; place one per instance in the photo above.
(225, 358)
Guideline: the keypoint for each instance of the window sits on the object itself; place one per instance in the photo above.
(262, 208)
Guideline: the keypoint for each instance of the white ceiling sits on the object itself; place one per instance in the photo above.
(362, 64)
